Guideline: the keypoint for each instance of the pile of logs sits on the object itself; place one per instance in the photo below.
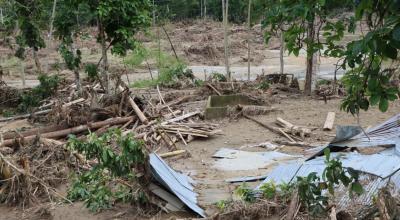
(169, 126)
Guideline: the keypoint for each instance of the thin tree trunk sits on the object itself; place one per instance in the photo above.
(170, 42)
(1, 16)
(281, 51)
(76, 71)
(37, 62)
(309, 70)
(226, 48)
(21, 63)
(104, 56)
(159, 51)
(205, 9)
(248, 40)
(201, 8)
(154, 14)
(53, 14)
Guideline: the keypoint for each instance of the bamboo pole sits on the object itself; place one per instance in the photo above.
(248, 40)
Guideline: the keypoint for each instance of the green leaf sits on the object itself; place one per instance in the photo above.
(390, 52)
(357, 188)
(396, 33)
(374, 99)
(383, 104)
(327, 153)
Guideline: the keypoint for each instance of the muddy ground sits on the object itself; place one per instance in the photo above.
(199, 165)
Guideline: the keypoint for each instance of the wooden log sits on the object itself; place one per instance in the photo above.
(172, 153)
(293, 206)
(330, 119)
(74, 130)
(136, 108)
(293, 129)
(34, 131)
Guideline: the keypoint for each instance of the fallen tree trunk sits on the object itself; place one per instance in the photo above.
(34, 131)
(293, 129)
(74, 130)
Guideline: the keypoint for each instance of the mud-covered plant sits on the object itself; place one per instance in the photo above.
(269, 190)
(245, 193)
(120, 159)
(222, 204)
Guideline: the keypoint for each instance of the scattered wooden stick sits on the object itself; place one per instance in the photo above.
(330, 120)
(182, 117)
(213, 88)
(293, 206)
(40, 181)
(136, 108)
(271, 128)
(172, 153)
(42, 112)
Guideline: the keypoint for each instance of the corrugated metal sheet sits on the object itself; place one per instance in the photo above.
(384, 134)
(384, 166)
(231, 159)
(283, 173)
(371, 185)
(178, 183)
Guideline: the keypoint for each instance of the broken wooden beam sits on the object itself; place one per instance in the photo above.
(293, 129)
(172, 153)
(330, 120)
(182, 117)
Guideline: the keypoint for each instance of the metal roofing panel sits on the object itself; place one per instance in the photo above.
(231, 159)
(177, 183)
(282, 173)
(371, 185)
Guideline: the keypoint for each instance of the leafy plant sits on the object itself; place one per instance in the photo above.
(245, 193)
(222, 204)
(47, 87)
(91, 70)
(264, 85)
(113, 179)
(218, 77)
(269, 190)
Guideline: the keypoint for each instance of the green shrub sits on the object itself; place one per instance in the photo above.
(119, 157)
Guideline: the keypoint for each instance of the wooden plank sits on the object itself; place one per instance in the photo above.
(330, 120)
